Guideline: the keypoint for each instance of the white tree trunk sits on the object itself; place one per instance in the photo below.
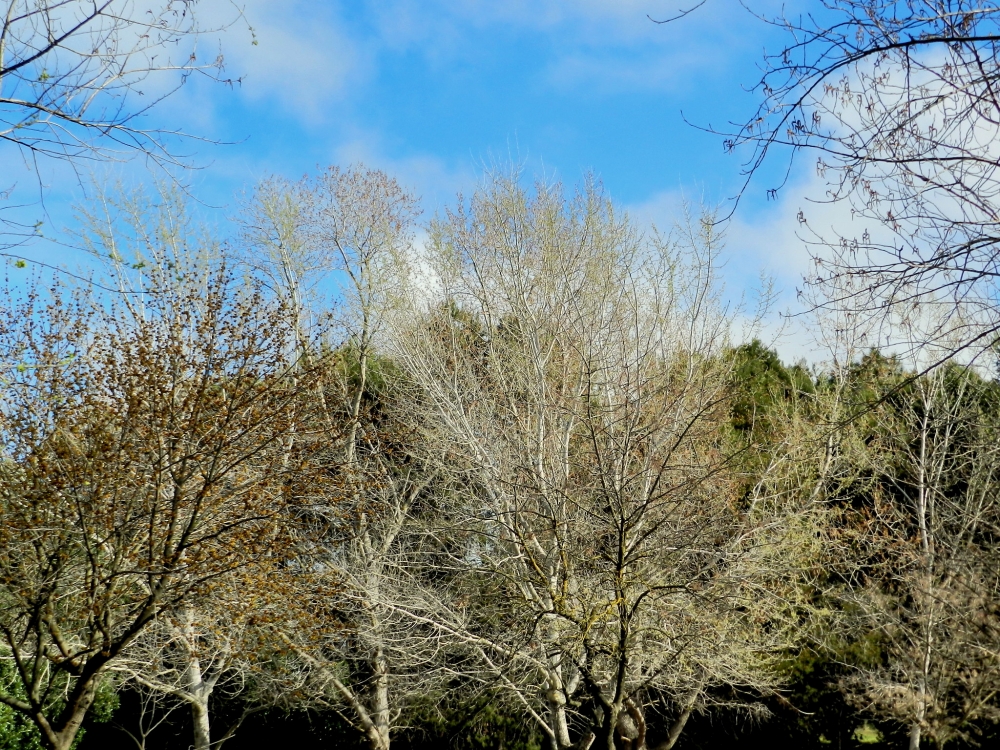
(380, 702)
(200, 722)
(197, 688)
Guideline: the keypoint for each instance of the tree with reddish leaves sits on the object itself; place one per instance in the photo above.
(146, 446)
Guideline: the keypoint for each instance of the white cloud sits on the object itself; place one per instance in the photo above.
(296, 54)
(304, 59)
(595, 21)
(408, 23)
(772, 244)
(615, 71)
(311, 56)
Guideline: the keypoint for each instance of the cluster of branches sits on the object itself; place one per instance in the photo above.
(896, 105)
(902, 466)
(78, 80)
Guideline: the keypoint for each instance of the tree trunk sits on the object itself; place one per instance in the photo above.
(379, 738)
(631, 727)
(59, 740)
(915, 736)
(355, 405)
(606, 732)
(560, 726)
(678, 726)
(198, 688)
(71, 719)
(200, 722)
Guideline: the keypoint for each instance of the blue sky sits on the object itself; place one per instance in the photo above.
(431, 90)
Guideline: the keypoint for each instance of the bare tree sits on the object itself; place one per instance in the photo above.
(213, 643)
(566, 381)
(147, 443)
(152, 715)
(364, 658)
(274, 246)
(927, 574)
(71, 73)
(209, 646)
(897, 104)
(78, 78)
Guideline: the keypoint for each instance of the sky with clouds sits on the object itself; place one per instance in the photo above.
(433, 90)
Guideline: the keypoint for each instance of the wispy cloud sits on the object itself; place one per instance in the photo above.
(298, 54)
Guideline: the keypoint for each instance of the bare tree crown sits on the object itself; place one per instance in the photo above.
(76, 77)
(895, 104)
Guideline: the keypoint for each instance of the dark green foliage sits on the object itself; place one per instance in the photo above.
(380, 373)
(454, 723)
(17, 732)
(476, 724)
(762, 385)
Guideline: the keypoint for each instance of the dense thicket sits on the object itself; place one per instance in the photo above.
(515, 489)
